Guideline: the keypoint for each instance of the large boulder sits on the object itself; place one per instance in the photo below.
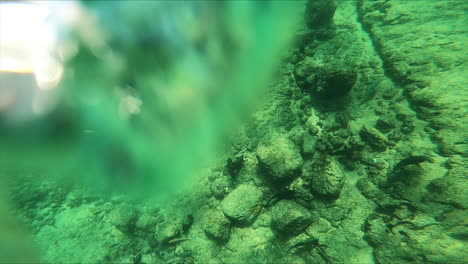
(216, 225)
(123, 217)
(319, 13)
(168, 230)
(243, 203)
(288, 217)
(280, 158)
(326, 176)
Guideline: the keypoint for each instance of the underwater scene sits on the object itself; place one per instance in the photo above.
(219, 132)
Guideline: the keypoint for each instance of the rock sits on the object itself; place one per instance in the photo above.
(375, 228)
(337, 140)
(305, 68)
(242, 204)
(319, 13)
(234, 164)
(459, 232)
(123, 217)
(371, 191)
(300, 243)
(312, 125)
(326, 177)
(389, 94)
(454, 221)
(331, 83)
(377, 171)
(221, 186)
(386, 123)
(216, 225)
(373, 138)
(407, 127)
(450, 189)
(367, 188)
(146, 222)
(280, 158)
(308, 145)
(296, 135)
(168, 230)
(301, 189)
(288, 217)
(76, 236)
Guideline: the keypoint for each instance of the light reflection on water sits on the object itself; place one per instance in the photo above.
(31, 64)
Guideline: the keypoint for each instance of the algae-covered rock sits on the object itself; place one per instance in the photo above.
(280, 158)
(300, 188)
(386, 123)
(288, 217)
(304, 68)
(308, 144)
(450, 189)
(375, 228)
(327, 177)
(319, 13)
(377, 170)
(221, 186)
(146, 222)
(331, 83)
(243, 203)
(123, 217)
(373, 138)
(216, 225)
(170, 229)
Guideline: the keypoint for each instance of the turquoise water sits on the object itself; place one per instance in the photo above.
(311, 131)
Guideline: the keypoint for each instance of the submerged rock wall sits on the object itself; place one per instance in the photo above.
(423, 47)
(356, 156)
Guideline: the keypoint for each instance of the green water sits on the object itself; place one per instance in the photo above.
(311, 131)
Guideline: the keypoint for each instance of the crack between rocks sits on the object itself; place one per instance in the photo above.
(388, 69)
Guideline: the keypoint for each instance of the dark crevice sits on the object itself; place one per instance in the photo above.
(398, 79)
(388, 68)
